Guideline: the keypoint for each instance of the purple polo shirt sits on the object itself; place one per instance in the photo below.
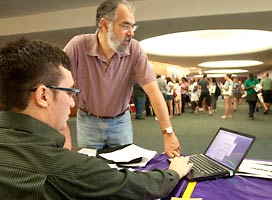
(106, 87)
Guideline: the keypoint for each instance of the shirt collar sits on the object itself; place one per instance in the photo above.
(26, 123)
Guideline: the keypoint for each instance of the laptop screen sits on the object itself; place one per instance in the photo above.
(229, 147)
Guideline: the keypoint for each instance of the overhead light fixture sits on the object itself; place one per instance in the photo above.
(231, 63)
(193, 68)
(220, 75)
(213, 75)
(208, 42)
(226, 71)
(170, 68)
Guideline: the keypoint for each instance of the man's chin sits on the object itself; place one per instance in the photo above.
(123, 49)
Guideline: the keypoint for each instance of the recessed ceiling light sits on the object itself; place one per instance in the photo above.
(231, 63)
(226, 71)
(209, 42)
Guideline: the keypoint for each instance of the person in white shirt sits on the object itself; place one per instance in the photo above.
(170, 96)
(193, 92)
(177, 97)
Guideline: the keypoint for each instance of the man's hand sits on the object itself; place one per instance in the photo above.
(181, 165)
(171, 145)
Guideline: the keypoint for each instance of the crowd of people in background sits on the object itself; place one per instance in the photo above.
(201, 95)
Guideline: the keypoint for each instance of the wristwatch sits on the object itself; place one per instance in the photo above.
(168, 130)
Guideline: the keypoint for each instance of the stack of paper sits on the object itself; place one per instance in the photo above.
(255, 168)
(128, 154)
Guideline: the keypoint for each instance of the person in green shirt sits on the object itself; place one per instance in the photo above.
(36, 94)
(249, 84)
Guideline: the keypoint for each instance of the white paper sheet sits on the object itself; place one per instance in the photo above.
(89, 152)
(255, 168)
(258, 87)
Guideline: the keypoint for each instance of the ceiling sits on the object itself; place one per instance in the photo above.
(14, 8)
(152, 21)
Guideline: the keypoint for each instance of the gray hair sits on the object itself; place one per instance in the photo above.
(107, 9)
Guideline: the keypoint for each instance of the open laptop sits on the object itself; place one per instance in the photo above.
(222, 157)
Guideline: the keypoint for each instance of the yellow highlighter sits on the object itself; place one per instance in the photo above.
(177, 198)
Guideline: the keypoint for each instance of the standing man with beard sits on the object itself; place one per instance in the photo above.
(105, 66)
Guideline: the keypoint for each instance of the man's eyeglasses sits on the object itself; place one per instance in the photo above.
(127, 27)
(73, 92)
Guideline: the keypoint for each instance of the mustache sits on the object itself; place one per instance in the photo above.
(127, 39)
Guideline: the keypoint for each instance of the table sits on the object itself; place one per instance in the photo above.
(233, 188)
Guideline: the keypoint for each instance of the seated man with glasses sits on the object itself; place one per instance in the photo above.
(36, 94)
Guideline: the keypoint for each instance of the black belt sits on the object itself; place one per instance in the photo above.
(103, 117)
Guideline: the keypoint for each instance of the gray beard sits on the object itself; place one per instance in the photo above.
(116, 45)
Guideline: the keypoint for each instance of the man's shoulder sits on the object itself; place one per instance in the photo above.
(82, 43)
(160, 80)
(82, 39)
(170, 83)
(246, 82)
(269, 79)
(202, 81)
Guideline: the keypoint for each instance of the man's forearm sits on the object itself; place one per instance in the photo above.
(171, 143)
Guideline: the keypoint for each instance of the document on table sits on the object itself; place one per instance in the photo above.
(128, 154)
(255, 168)
(87, 151)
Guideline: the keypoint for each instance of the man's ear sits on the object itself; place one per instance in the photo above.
(103, 24)
(41, 96)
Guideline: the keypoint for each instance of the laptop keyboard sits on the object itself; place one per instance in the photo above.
(204, 166)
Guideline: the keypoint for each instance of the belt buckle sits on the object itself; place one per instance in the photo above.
(97, 117)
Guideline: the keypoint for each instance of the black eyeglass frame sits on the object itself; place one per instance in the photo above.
(74, 90)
